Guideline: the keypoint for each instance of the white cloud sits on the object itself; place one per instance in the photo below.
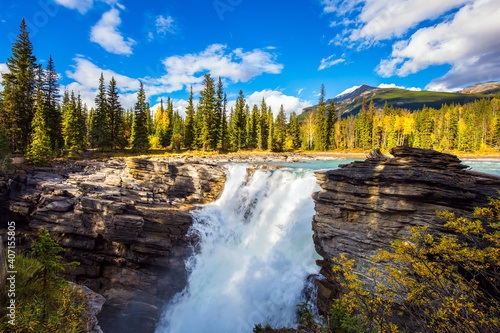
(460, 33)
(81, 5)
(106, 34)
(164, 25)
(237, 66)
(384, 19)
(180, 105)
(393, 85)
(348, 91)
(4, 68)
(469, 71)
(182, 72)
(329, 62)
(86, 75)
(469, 42)
(275, 99)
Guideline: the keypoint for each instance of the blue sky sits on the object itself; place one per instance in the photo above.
(276, 49)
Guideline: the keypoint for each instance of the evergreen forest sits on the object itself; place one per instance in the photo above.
(40, 123)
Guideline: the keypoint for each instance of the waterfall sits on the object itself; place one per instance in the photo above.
(254, 254)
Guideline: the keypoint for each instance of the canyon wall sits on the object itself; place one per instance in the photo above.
(124, 220)
(364, 206)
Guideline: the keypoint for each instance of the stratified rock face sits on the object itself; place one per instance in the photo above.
(364, 206)
(125, 221)
(3, 265)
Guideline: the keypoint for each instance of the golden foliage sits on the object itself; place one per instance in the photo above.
(447, 283)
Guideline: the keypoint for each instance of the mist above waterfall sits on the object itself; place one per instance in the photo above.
(254, 254)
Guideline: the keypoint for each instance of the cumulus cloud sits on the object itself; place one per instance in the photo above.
(237, 66)
(472, 49)
(86, 75)
(106, 34)
(181, 72)
(329, 62)
(81, 5)
(275, 99)
(423, 33)
(384, 19)
(468, 71)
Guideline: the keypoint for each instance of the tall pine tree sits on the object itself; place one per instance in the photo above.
(53, 116)
(321, 133)
(207, 106)
(280, 129)
(115, 111)
(189, 123)
(101, 126)
(39, 151)
(19, 91)
(140, 140)
(239, 129)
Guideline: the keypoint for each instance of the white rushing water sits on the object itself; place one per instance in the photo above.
(256, 251)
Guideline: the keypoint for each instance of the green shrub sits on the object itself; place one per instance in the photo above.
(44, 302)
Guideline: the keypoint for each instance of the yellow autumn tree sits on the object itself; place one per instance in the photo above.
(448, 283)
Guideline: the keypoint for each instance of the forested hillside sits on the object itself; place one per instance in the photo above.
(351, 104)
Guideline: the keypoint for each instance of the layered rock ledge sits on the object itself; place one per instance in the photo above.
(124, 220)
(364, 206)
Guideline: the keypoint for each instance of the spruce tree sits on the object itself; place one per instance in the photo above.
(115, 111)
(74, 124)
(280, 129)
(239, 121)
(81, 114)
(321, 131)
(53, 116)
(263, 126)
(218, 114)
(161, 125)
(295, 129)
(230, 131)
(140, 140)
(189, 123)
(270, 130)
(90, 127)
(207, 106)
(101, 127)
(247, 126)
(177, 130)
(254, 127)
(224, 126)
(198, 126)
(39, 151)
(168, 119)
(19, 91)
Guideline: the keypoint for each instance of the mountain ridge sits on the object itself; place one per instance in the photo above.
(350, 103)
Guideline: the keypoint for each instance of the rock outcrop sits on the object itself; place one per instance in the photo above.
(364, 206)
(124, 220)
(3, 265)
(95, 302)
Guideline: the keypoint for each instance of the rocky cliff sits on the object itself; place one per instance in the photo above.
(364, 206)
(124, 220)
